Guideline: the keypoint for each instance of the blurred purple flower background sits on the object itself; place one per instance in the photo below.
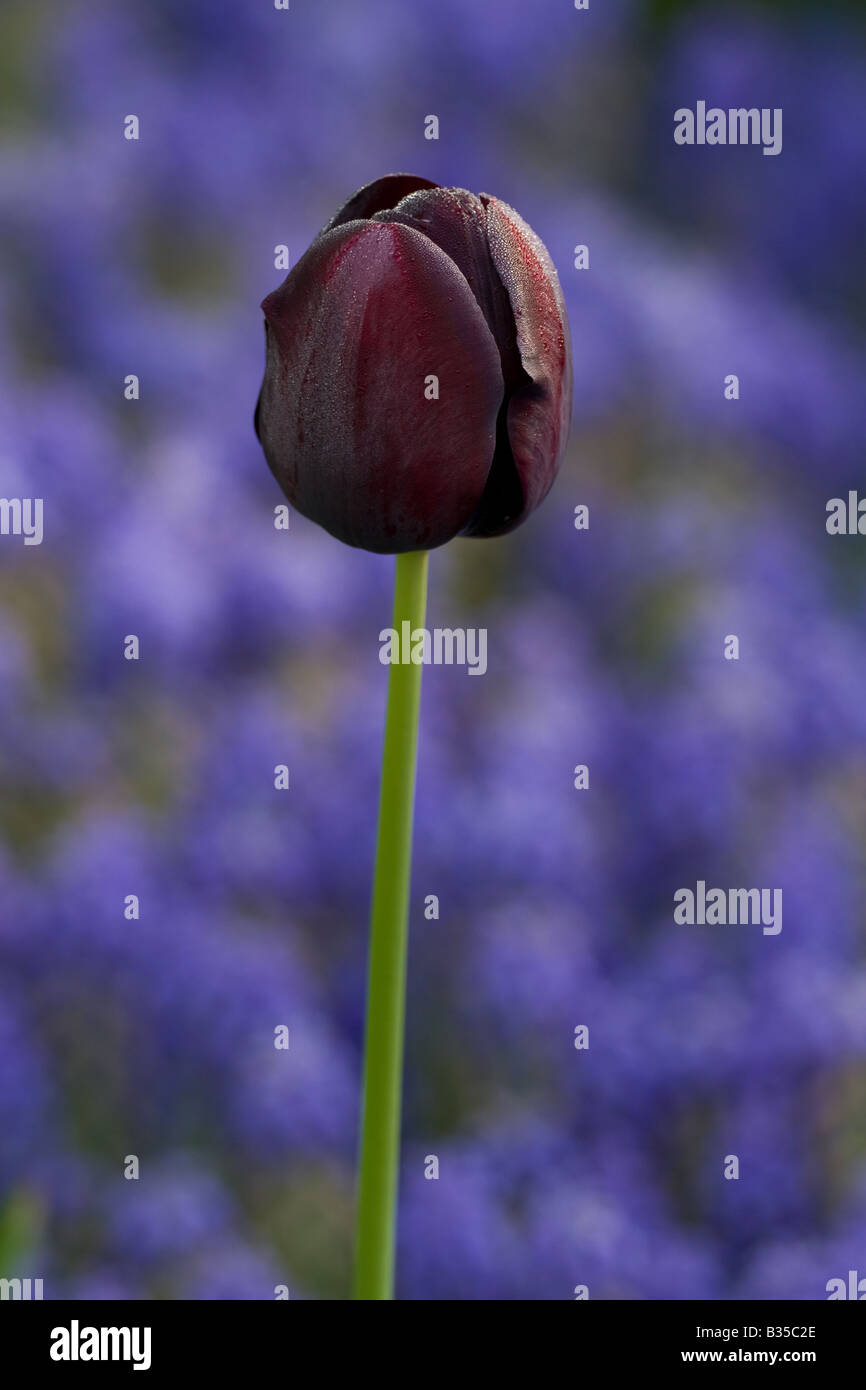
(154, 1037)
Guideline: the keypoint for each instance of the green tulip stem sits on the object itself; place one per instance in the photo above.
(386, 979)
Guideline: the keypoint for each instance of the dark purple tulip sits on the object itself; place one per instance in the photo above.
(410, 281)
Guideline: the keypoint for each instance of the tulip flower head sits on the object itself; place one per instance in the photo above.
(418, 375)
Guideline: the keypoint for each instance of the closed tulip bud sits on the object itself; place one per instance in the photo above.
(410, 282)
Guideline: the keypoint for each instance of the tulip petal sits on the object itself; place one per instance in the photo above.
(513, 279)
(354, 332)
(377, 196)
(457, 222)
(539, 407)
